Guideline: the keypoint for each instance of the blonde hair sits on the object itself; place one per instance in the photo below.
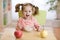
(17, 8)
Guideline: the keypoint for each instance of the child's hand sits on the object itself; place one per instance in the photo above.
(38, 29)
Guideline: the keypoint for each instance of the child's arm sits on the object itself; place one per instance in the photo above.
(19, 25)
(37, 28)
(36, 24)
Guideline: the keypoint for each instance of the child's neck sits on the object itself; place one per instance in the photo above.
(29, 18)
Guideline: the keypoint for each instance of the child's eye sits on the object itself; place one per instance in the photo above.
(29, 11)
(25, 11)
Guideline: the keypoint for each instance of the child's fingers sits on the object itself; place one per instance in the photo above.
(38, 29)
(17, 28)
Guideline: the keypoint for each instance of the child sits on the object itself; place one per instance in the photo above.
(27, 22)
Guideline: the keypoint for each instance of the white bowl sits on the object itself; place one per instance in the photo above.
(28, 28)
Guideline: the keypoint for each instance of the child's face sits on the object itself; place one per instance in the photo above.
(27, 11)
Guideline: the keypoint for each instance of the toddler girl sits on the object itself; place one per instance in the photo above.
(27, 22)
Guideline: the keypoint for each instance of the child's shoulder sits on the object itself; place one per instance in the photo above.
(20, 18)
(33, 18)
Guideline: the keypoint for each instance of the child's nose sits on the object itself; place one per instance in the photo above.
(27, 12)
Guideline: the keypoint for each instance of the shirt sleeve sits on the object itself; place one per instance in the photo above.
(20, 23)
(36, 24)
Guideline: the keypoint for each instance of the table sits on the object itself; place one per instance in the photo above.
(34, 35)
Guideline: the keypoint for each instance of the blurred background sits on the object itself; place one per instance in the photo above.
(51, 9)
(8, 13)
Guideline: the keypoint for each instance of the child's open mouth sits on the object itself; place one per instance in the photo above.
(27, 15)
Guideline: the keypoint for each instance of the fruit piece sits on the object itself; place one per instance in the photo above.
(18, 34)
(43, 33)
